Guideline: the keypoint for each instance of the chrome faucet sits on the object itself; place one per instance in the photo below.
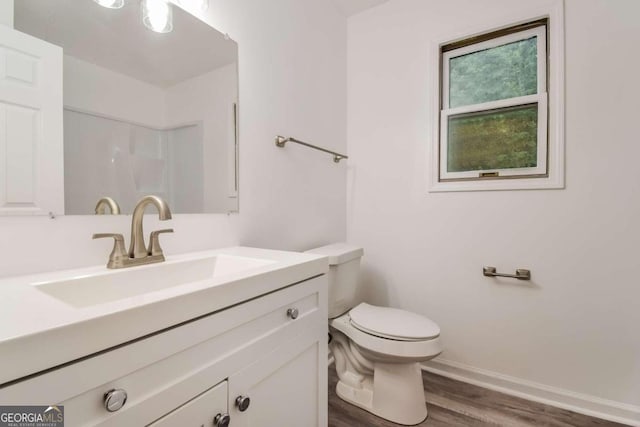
(107, 202)
(139, 253)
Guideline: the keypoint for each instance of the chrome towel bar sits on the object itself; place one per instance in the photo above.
(281, 141)
(521, 273)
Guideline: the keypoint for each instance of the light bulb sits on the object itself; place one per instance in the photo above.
(157, 15)
(111, 4)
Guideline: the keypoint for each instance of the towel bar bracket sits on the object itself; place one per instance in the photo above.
(521, 273)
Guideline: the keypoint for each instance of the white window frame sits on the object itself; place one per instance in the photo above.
(553, 11)
(539, 99)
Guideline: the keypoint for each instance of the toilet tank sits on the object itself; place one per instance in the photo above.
(344, 268)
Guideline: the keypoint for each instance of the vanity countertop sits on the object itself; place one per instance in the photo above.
(39, 331)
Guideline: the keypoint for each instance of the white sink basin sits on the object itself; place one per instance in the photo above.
(87, 310)
(114, 285)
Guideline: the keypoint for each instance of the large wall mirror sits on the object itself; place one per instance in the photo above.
(144, 112)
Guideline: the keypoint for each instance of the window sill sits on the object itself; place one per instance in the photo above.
(546, 183)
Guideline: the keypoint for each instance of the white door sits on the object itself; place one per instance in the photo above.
(31, 151)
(285, 388)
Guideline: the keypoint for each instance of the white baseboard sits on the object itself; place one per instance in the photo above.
(553, 396)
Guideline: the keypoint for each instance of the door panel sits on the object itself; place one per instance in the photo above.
(31, 153)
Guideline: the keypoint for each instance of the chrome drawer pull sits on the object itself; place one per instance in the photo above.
(222, 420)
(242, 402)
(293, 313)
(115, 399)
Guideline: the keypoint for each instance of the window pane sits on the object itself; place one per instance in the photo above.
(501, 72)
(498, 139)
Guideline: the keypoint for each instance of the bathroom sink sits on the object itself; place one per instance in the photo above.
(79, 312)
(113, 285)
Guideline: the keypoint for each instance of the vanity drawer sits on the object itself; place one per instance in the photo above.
(200, 411)
(162, 372)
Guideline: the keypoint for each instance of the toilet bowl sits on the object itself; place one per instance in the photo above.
(377, 350)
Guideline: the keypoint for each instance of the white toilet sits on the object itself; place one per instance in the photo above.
(377, 350)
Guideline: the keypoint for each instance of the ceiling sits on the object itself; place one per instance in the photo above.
(116, 39)
(351, 7)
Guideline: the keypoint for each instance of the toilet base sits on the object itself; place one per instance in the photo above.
(394, 392)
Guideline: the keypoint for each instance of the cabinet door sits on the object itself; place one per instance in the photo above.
(286, 388)
(31, 171)
(198, 412)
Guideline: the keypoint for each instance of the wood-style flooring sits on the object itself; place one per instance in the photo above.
(455, 403)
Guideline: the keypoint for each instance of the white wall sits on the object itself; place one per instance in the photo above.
(91, 88)
(6, 12)
(209, 98)
(187, 170)
(575, 326)
(292, 80)
(292, 62)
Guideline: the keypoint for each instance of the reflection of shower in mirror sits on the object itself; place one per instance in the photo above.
(137, 161)
(143, 113)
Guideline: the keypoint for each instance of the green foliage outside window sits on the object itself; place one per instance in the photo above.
(501, 72)
(500, 139)
(504, 138)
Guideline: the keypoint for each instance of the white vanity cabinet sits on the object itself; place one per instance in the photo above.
(281, 390)
(269, 351)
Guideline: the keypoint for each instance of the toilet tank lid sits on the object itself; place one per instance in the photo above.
(338, 253)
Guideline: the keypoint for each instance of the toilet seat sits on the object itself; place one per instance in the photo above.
(387, 349)
(393, 323)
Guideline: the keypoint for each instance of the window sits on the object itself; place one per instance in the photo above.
(497, 109)
(494, 106)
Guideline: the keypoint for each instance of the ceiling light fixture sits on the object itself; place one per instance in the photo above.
(157, 15)
(111, 4)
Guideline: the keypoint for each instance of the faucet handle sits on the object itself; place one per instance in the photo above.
(119, 253)
(154, 241)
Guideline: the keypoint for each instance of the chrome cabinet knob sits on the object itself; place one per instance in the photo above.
(222, 420)
(293, 313)
(242, 403)
(115, 399)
